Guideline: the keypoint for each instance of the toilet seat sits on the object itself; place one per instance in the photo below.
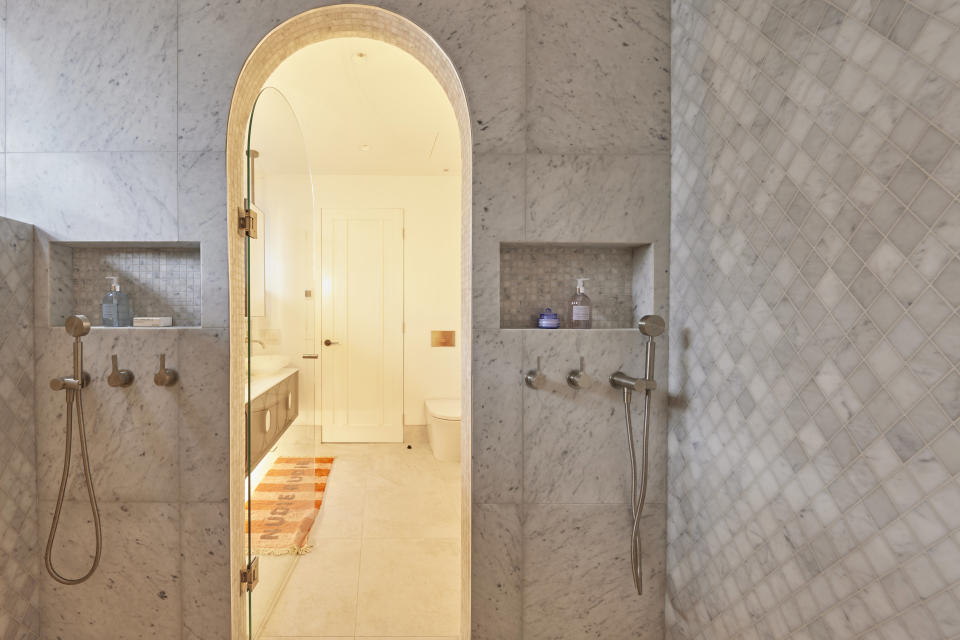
(444, 408)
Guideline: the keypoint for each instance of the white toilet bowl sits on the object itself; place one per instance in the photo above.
(443, 428)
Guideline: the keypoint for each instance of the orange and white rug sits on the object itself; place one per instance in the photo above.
(284, 505)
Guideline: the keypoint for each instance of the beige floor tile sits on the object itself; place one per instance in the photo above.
(406, 504)
(390, 602)
(412, 512)
(341, 515)
(320, 598)
(273, 574)
(413, 468)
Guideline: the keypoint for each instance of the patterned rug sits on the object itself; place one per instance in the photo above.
(284, 505)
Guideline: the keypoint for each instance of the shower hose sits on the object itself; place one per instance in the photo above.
(74, 397)
(637, 495)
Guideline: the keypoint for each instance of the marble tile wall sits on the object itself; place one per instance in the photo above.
(91, 154)
(115, 130)
(815, 396)
(550, 469)
(20, 562)
(158, 456)
(533, 277)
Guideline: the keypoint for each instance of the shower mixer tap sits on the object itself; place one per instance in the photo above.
(650, 326)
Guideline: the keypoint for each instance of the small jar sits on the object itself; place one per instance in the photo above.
(548, 320)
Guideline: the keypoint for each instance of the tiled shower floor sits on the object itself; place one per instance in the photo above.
(386, 548)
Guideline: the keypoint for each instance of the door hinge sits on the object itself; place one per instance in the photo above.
(250, 576)
(247, 223)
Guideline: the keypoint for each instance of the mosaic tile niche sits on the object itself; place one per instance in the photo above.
(161, 281)
(536, 276)
(814, 447)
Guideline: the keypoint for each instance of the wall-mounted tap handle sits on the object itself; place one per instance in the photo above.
(165, 377)
(119, 377)
(535, 378)
(578, 379)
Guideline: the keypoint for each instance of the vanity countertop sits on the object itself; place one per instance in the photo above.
(262, 384)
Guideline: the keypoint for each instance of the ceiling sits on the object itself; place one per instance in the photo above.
(367, 107)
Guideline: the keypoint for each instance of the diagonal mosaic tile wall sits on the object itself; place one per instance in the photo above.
(814, 444)
(19, 547)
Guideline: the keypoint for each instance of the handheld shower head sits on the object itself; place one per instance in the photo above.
(77, 326)
(651, 326)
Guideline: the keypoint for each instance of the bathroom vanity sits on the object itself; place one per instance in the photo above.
(275, 405)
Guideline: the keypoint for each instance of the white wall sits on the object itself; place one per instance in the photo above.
(431, 256)
(287, 327)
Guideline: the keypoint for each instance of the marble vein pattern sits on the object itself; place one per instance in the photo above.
(598, 76)
(203, 357)
(497, 416)
(109, 71)
(138, 586)
(576, 573)
(20, 606)
(95, 196)
(574, 441)
(215, 39)
(202, 216)
(3, 83)
(131, 431)
(596, 198)
(498, 216)
(815, 337)
(496, 587)
(205, 559)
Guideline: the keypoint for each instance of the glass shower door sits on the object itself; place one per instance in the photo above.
(280, 335)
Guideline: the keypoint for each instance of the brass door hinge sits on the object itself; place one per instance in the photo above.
(250, 576)
(247, 222)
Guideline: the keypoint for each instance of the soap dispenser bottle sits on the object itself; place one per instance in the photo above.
(115, 308)
(581, 311)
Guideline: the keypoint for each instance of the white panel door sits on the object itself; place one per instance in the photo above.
(362, 325)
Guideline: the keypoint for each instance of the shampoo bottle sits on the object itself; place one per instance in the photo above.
(581, 312)
(115, 308)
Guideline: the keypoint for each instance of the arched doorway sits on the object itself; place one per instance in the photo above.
(301, 31)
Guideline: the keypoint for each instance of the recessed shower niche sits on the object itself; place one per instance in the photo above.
(162, 279)
(536, 276)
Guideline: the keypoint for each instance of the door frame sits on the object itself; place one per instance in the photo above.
(310, 27)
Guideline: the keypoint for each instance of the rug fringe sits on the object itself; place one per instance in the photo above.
(288, 551)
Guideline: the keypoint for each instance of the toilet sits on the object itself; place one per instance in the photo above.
(443, 428)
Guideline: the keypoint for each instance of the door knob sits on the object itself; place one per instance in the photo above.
(329, 342)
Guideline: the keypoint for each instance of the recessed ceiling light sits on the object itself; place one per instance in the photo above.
(364, 147)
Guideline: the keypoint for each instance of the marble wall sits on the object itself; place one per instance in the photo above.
(20, 563)
(115, 130)
(588, 162)
(814, 442)
(91, 154)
